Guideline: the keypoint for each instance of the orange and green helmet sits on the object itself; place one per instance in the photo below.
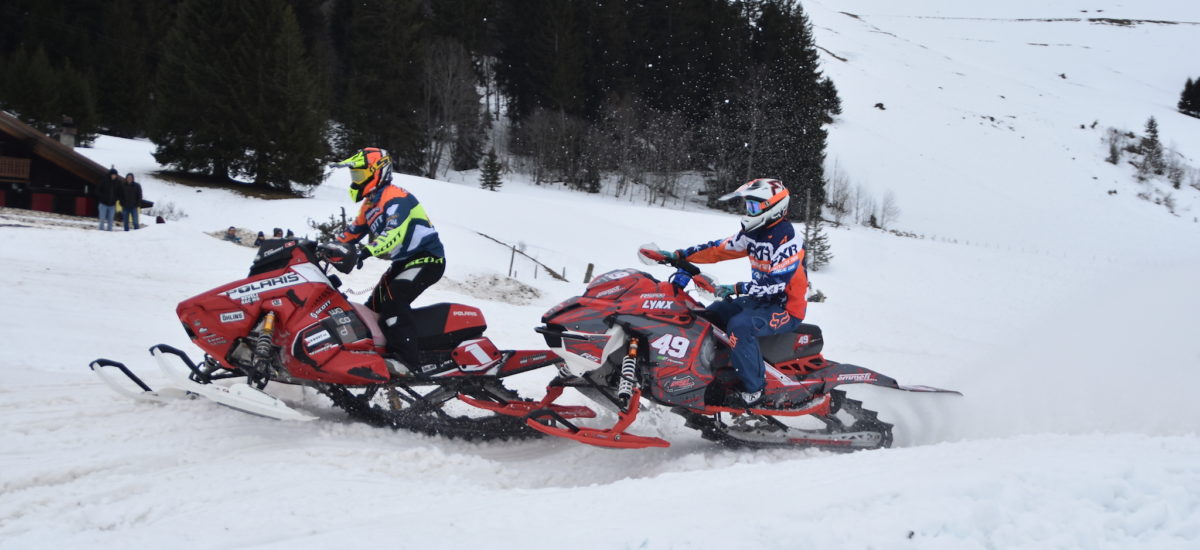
(370, 169)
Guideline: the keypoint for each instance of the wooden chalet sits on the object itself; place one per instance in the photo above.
(39, 173)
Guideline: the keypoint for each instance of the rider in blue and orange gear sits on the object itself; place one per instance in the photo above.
(401, 232)
(773, 301)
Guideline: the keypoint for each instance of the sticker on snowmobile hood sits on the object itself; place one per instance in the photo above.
(314, 339)
(233, 316)
(251, 289)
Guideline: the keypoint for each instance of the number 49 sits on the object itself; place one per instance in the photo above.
(671, 345)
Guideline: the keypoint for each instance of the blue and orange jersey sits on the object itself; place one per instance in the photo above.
(398, 222)
(776, 263)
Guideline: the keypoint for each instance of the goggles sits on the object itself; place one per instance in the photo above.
(755, 207)
(360, 175)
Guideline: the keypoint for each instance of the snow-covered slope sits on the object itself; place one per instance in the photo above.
(1065, 315)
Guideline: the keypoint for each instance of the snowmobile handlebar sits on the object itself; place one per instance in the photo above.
(687, 271)
(673, 260)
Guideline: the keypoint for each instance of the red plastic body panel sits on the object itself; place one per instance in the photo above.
(321, 336)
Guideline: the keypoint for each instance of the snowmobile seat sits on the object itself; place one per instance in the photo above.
(439, 326)
(803, 341)
(444, 326)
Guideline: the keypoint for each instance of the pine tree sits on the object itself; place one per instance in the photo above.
(783, 106)
(489, 173)
(1185, 97)
(287, 138)
(77, 101)
(123, 80)
(1194, 99)
(1189, 100)
(381, 97)
(1151, 149)
(31, 88)
(816, 244)
(237, 103)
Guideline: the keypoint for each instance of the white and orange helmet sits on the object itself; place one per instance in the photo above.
(766, 202)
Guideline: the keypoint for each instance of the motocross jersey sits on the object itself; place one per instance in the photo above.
(398, 222)
(776, 262)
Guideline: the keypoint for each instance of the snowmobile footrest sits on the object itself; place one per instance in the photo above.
(819, 405)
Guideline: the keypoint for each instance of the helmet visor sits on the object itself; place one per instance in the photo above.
(360, 175)
(755, 207)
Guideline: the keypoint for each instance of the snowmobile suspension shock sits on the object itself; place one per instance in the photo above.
(628, 373)
(263, 346)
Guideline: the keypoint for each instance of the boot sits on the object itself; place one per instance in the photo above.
(743, 399)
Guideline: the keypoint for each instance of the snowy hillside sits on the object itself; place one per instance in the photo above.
(1065, 314)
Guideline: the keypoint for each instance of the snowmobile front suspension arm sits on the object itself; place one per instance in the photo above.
(614, 437)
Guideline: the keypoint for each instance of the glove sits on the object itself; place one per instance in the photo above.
(725, 291)
(363, 253)
(671, 255)
(681, 279)
(340, 255)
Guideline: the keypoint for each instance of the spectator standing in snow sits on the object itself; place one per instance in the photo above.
(232, 236)
(277, 233)
(106, 198)
(131, 199)
(259, 239)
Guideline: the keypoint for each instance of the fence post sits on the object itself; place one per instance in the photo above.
(587, 277)
(511, 258)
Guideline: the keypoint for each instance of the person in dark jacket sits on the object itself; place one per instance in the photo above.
(773, 301)
(131, 199)
(106, 198)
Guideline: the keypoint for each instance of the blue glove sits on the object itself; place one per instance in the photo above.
(681, 279)
(725, 291)
(671, 255)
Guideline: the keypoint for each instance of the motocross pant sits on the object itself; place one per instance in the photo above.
(393, 297)
(744, 320)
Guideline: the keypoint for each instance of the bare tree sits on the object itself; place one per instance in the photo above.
(666, 134)
(556, 144)
(889, 211)
(864, 205)
(450, 100)
(621, 148)
(1116, 142)
(839, 195)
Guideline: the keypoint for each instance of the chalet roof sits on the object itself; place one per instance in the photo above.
(50, 149)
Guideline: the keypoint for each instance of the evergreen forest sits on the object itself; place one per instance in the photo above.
(573, 92)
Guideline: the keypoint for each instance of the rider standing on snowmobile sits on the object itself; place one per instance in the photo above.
(772, 302)
(401, 232)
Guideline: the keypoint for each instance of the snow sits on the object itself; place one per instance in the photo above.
(1064, 314)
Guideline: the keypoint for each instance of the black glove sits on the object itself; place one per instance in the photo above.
(343, 257)
(363, 254)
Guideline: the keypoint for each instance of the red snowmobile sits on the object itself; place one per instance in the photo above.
(631, 337)
(288, 323)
